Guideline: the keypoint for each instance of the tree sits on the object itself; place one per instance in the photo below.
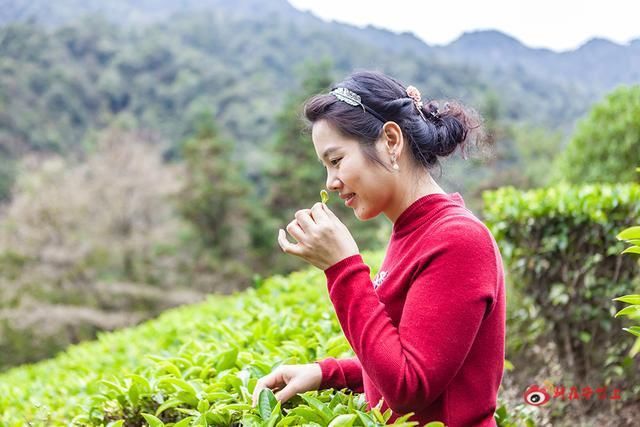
(214, 198)
(606, 144)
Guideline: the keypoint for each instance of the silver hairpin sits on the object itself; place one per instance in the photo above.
(344, 94)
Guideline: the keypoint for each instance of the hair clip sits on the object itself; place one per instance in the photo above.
(414, 94)
(345, 95)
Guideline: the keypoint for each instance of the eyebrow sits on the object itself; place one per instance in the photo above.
(328, 151)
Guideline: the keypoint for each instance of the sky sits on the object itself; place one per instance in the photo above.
(559, 25)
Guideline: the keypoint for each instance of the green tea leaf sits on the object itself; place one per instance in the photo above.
(171, 403)
(324, 196)
(631, 311)
(275, 416)
(152, 421)
(345, 420)
(635, 330)
(632, 250)
(227, 359)
(203, 406)
(185, 422)
(266, 402)
(629, 233)
(629, 299)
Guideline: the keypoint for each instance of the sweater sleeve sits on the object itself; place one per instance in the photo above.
(341, 373)
(412, 362)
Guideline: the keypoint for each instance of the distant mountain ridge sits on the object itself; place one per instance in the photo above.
(159, 59)
(598, 65)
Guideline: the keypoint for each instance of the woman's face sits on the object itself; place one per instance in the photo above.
(365, 186)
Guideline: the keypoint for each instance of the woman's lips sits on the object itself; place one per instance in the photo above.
(349, 200)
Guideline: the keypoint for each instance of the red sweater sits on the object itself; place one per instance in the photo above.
(429, 331)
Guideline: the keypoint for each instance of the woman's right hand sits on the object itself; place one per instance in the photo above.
(290, 380)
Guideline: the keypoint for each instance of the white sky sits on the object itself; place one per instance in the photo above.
(554, 24)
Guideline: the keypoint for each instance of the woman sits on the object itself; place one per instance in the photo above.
(428, 332)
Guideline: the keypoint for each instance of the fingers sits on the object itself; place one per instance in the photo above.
(318, 213)
(295, 230)
(304, 219)
(273, 380)
(287, 246)
(286, 393)
(329, 212)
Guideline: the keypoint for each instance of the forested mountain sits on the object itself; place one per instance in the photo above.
(71, 66)
(594, 68)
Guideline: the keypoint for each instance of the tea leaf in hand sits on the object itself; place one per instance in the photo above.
(324, 196)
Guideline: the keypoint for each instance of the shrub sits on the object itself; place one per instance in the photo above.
(563, 266)
(606, 143)
(199, 363)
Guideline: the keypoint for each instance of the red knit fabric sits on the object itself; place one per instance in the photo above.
(429, 331)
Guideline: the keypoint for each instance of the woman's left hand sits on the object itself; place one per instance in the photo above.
(322, 239)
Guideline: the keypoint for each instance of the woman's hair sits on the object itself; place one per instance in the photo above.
(434, 133)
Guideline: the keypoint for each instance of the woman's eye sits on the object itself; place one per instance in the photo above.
(334, 162)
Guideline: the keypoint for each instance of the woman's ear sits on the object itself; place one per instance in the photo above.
(393, 137)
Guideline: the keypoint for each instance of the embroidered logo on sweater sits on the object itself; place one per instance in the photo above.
(379, 278)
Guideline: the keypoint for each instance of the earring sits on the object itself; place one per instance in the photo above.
(394, 165)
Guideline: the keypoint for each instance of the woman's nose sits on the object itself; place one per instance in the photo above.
(333, 183)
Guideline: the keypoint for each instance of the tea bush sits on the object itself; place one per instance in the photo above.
(563, 267)
(196, 365)
(632, 236)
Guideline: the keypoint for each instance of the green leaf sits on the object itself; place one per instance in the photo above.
(134, 394)
(308, 414)
(152, 421)
(227, 359)
(508, 366)
(345, 420)
(631, 311)
(171, 403)
(203, 406)
(113, 386)
(367, 419)
(584, 336)
(180, 384)
(169, 367)
(118, 423)
(405, 417)
(275, 416)
(376, 413)
(632, 250)
(635, 330)
(143, 385)
(237, 407)
(266, 402)
(324, 196)
(629, 299)
(629, 233)
(320, 407)
(435, 424)
(185, 422)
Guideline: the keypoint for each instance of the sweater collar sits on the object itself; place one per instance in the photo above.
(423, 210)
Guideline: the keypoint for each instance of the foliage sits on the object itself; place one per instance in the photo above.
(198, 363)
(552, 242)
(214, 197)
(78, 240)
(606, 144)
(631, 236)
